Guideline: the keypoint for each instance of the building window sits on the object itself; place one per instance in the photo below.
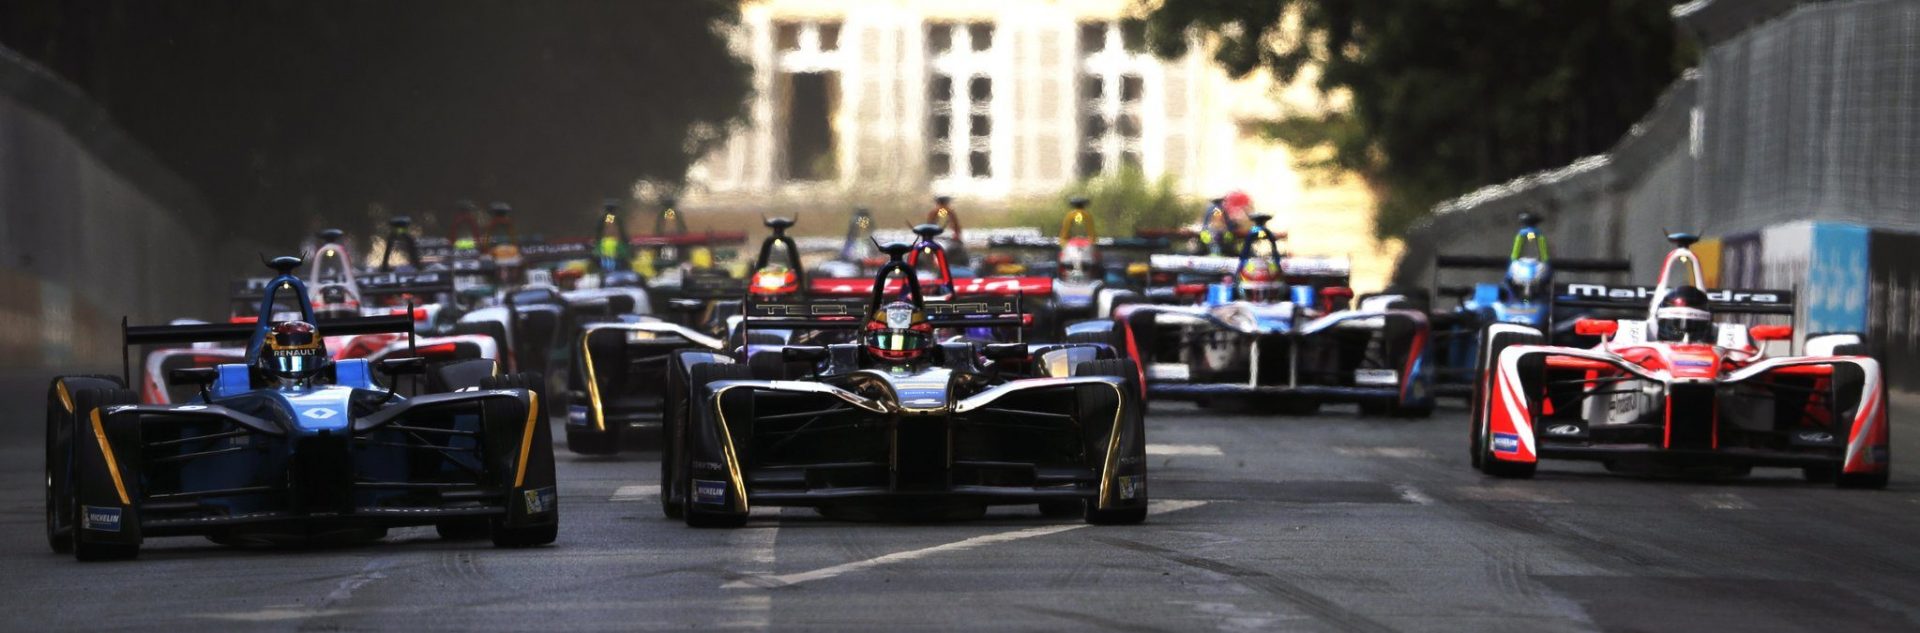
(960, 100)
(1113, 63)
(806, 94)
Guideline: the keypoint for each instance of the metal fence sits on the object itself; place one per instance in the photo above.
(1795, 146)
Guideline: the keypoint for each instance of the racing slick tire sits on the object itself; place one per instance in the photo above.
(87, 401)
(702, 374)
(452, 376)
(672, 411)
(497, 528)
(1481, 451)
(60, 420)
(1127, 369)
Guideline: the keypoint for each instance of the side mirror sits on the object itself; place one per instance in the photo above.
(803, 353)
(198, 376)
(1006, 352)
(411, 365)
(1596, 327)
(1770, 332)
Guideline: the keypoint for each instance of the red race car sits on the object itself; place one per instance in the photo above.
(1669, 390)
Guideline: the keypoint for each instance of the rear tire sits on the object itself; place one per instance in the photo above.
(529, 536)
(463, 529)
(1063, 509)
(1864, 481)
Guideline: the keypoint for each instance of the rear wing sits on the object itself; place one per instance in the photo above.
(418, 283)
(1041, 242)
(1725, 301)
(966, 286)
(1494, 262)
(1297, 269)
(708, 286)
(709, 238)
(132, 335)
(848, 313)
(555, 252)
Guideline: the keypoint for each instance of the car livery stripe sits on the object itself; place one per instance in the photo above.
(526, 441)
(1866, 426)
(593, 382)
(1413, 358)
(1509, 391)
(65, 399)
(726, 451)
(1113, 446)
(113, 467)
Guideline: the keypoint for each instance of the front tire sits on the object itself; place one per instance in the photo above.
(60, 422)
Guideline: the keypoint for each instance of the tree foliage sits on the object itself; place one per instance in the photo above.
(283, 110)
(1446, 95)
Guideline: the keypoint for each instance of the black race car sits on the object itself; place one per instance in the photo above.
(898, 422)
(291, 444)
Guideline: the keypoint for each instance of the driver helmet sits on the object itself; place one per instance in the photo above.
(775, 279)
(898, 332)
(1525, 278)
(1076, 260)
(294, 352)
(333, 300)
(1682, 317)
(1260, 281)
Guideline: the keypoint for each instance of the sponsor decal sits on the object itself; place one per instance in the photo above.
(709, 466)
(1506, 443)
(101, 519)
(1376, 377)
(1817, 437)
(541, 499)
(1603, 291)
(191, 407)
(577, 415)
(1131, 486)
(1563, 429)
(709, 492)
(319, 414)
(1688, 362)
(1879, 454)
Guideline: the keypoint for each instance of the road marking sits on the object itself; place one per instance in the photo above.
(1413, 495)
(745, 610)
(788, 580)
(1719, 501)
(366, 576)
(1524, 494)
(1395, 452)
(1183, 449)
(635, 493)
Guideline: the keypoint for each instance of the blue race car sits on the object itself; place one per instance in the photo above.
(1524, 296)
(292, 445)
(1271, 331)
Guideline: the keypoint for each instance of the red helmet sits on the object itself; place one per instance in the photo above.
(775, 279)
(898, 332)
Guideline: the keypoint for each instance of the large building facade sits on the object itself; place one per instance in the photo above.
(995, 101)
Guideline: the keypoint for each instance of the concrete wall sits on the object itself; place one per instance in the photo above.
(92, 229)
(1794, 147)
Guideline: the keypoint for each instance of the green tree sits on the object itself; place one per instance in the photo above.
(1446, 95)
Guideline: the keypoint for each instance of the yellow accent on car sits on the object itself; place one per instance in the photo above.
(113, 467)
(526, 441)
(65, 399)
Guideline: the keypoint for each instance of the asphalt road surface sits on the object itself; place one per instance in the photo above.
(1329, 523)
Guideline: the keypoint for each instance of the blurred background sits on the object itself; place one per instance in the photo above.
(150, 150)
